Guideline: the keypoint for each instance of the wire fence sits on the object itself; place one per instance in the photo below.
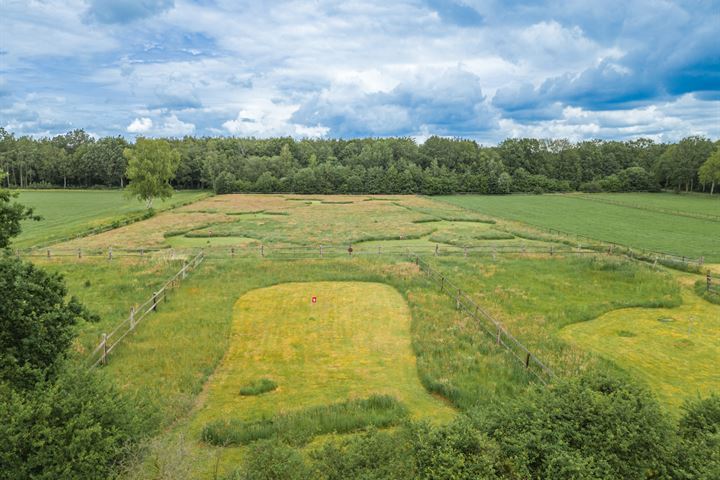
(667, 211)
(488, 323)
(109, 341)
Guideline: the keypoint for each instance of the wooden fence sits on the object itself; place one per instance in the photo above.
(488, 323)
(109, 341)
(311, 251)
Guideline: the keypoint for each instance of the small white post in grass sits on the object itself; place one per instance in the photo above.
(110, 253)
(437, 247)
(321, 252)
(132, 318)
(184, 269)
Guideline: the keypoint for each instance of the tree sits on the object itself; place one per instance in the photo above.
(11, 214)
(151, 166)
(36, 321)
(709, 172)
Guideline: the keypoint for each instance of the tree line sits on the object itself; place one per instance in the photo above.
(372, 165)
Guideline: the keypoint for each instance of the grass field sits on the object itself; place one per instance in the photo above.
(248, 221)
(676, 351)
(641, 229)
(66, 213)
(380, 326)
(694, 204)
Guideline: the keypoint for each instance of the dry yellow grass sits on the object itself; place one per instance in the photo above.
(292, 220)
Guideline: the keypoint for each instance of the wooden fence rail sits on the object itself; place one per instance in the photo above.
(109, 341)
(488, 323)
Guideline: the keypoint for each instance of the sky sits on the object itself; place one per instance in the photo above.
(480, 69)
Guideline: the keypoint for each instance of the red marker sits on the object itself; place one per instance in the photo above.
(314, 299)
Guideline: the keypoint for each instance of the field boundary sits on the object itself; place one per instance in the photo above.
(109, 341)
(490, 325)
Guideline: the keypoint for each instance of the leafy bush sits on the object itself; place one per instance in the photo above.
(299, 427)
(594, 426)
(258, 387)
(78, 427)
(272, 460)
(698, 450)
(36, 321)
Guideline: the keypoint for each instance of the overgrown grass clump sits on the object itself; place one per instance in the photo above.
(299, 427)
(258, 387)
(712, 295)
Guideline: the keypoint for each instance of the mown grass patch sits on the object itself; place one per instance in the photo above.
(537, 296)
(298, 427)
(258, 387)
(675, 351)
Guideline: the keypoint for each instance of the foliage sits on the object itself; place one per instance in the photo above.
(79, 426)
(272, 460)
(388, 165)
(594, 426)
(151, 166)
(36, 321)
(257, 387)
(11, 214)
(698, 450)
(709, 172)
(301, 426)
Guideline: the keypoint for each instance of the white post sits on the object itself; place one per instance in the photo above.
(104, 349)
(110, 253)
(132, 318)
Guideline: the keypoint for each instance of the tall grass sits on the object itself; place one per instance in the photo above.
(258, 387)
(299, 427)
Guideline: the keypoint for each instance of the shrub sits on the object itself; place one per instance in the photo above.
(272, 460)
(698, 450)
(78, 427)
(593, 426)
(299, 427)
(258, 387)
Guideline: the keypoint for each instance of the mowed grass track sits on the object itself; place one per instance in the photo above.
(676, 351)
(355, 341)
(641, 229)
(71, 212)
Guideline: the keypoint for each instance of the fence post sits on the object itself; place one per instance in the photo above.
(442, 283)
(48, 253)
(457, 300)
(465, 251)
(154, 302)
(551, 250)
(417, 261)
(79, 253)
(498, 335)
(110, 253)
(142, 252)
(436, 249)
(379, 249)
(132, 318)
(262, 251)
(232, 251)
(527, 361)
(701, 261)
(494, 253)
(709, 282)
(184, 269)
(321, 252)
(104, 349)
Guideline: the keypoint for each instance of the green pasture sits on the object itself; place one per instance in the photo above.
(637, 228)
(67, 213)
(690, 203)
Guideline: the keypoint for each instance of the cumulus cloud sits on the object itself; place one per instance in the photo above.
(140, 125)
(447, 102)
(482, 69)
